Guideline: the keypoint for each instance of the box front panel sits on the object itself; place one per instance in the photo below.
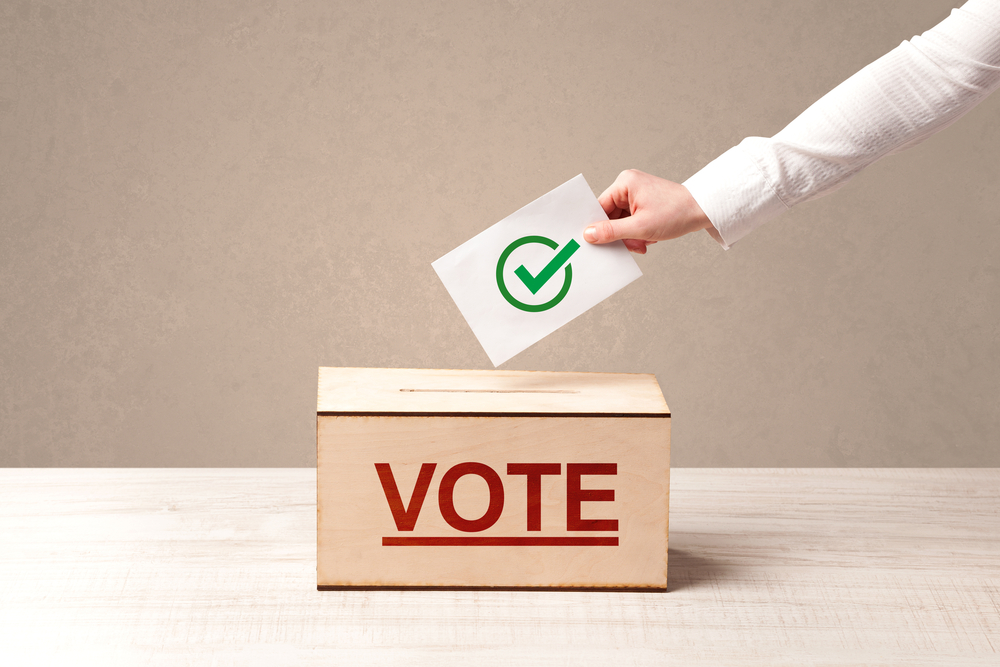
(493, 501)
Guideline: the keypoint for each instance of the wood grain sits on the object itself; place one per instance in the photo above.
(401, 390)
(767, 567)
(354, 515)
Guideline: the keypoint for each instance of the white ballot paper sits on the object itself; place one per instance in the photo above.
(532, 272)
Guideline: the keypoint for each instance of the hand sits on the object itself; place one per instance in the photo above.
(644, 209)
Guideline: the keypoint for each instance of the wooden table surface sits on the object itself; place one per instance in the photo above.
(767, 567)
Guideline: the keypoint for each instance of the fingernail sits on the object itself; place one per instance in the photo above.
(590, 235)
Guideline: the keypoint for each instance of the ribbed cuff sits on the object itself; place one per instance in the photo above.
(734, 195)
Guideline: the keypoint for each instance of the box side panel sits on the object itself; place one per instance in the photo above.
(665, 434)
(361, 541)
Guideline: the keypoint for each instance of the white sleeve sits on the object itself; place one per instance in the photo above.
(915, 90)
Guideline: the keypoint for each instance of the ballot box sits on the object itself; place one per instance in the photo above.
(491, 479)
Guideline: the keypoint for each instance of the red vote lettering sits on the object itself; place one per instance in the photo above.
(405, 519)
(534, 472)
(575, 495)
(446, 497)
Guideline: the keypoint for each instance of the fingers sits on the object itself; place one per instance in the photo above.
(633, 227)
(615, 200)
(601, 232)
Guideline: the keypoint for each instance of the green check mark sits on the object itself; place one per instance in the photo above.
(535, 283)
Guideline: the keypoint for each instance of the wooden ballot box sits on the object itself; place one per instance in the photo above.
(483, 479)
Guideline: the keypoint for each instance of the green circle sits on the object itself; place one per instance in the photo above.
(506, 293)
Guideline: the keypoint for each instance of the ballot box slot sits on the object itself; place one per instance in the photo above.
(492, 391)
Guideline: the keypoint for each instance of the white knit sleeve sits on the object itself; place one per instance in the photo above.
(915, 90)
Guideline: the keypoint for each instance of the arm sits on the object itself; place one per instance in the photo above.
(915, 90)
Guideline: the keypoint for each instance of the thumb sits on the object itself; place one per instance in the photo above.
(607, 231)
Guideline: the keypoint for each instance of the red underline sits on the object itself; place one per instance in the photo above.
(499, 541)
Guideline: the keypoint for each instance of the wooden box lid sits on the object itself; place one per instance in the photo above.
(403, 391)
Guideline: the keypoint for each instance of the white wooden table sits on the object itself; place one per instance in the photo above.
(767, 567)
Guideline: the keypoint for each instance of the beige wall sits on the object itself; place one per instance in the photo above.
(200, 203)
